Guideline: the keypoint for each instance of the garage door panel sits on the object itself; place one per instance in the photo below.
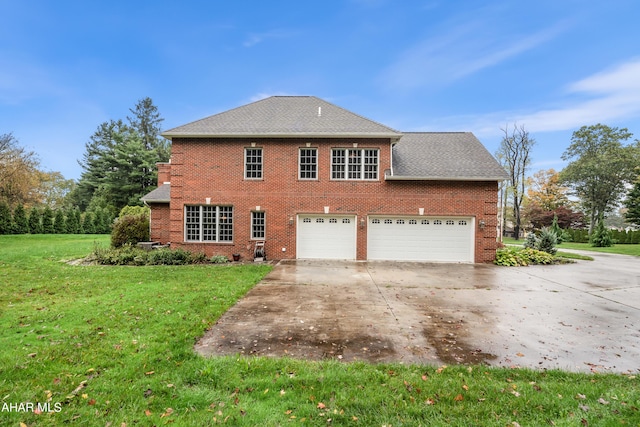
(420, 239)
(326, 237)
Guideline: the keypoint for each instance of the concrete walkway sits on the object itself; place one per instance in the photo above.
(578, 317)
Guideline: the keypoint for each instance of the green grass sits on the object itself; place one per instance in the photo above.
(615, 249)
(112, 346)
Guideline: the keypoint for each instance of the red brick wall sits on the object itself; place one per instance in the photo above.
(206, 168)
(160, 224)
(164, 173)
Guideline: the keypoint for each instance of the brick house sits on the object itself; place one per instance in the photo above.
(313, 180)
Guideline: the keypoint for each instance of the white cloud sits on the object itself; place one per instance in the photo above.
(256, 38)
(458, 53)
(611, 96)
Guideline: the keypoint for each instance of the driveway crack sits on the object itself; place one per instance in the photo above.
(386, 301)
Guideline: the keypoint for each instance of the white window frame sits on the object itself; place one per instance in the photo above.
(258, 225)
(355, 164)
(311, 165)
(253, 169)
(208, 223)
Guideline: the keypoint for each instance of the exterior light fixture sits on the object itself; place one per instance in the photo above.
(481, 224)
(362, 222)
(291, 220)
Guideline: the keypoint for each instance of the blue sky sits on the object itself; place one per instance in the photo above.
(432, 65)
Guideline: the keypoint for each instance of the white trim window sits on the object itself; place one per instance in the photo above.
(354, 164)
(253, 163)
(308, 163)
(258, 225)
(206, 223)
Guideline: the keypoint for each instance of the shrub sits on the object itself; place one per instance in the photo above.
(134, 210)
(513, 257)
(130, 229)
(531, 241)
(130, 255)
(534, 256)
(547, 241)
(219, 259)
(560, 237)
(601, 236)
(510, 257)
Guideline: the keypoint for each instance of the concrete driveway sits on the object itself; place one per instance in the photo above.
(578, 317)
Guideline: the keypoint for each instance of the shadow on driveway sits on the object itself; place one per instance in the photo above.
(580, 317)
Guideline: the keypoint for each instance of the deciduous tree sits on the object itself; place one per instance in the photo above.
(515, 155)
(600, 166)
(19, 174)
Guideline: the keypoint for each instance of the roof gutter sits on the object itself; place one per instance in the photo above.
(393, 136)
(443, 178)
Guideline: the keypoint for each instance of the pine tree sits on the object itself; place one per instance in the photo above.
(35, 223)
(72, 226)
(6, 220)
(88, 226)
(59, 226)
(601, 236)
(633, 205)
(20, 223)
(47, 221)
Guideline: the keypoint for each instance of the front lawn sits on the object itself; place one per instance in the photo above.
(615, 249)
(112, 346)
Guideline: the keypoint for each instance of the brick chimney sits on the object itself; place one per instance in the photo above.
(164, 173)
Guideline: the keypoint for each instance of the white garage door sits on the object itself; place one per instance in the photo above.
(437, 239)
(326, 236)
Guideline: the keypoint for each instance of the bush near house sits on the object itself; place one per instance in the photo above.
(516, 257)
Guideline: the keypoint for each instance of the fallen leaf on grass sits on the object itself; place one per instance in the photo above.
(147, 412)
(459, 398)
(167, 413)
(321, 405)
(150, 373)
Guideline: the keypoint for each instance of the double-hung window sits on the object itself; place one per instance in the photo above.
(253, 163)
(354, 164)
(206, 223)
(308, 163)
(257, 225)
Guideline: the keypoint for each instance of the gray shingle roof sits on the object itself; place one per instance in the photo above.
(285, 116)
(457, 156)
(161, 194)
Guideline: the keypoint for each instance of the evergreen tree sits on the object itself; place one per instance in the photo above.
(5, 219)
(120, 159)
(21, 225)
(59, 226)
(555, 228)
(88, 224)
(47, 221)
(601, 236)
(35, 224)
(633, 204)
(72, 226)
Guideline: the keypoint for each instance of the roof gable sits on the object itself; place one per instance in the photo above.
(457, 156)
(285, 116)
